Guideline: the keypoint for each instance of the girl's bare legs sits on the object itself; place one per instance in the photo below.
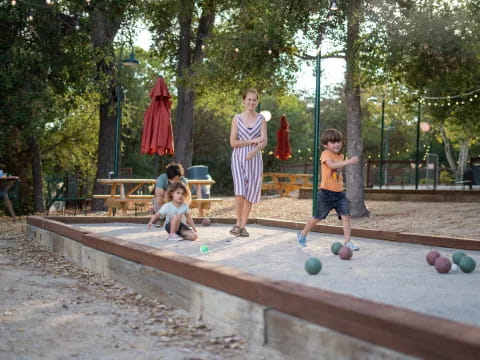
(247, 206)
(347, 231)
(189, 234)
(174, 223)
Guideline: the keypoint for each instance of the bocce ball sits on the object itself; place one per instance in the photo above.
(313, 265)
(432, 256)
(457, 256)
(203, 249)
(335, 247)
(206, 222)
(443, 264)
(467, 264)
(345, 253)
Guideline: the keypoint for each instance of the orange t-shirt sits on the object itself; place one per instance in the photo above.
(332, 179)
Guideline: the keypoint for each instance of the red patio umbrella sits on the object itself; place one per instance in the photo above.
(157, 134)
(283, 150)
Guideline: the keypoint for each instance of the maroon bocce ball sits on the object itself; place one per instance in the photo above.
(345, 253)
(432, 256)
(443, 264)
(206, 222)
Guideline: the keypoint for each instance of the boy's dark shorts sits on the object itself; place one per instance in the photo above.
(328, 200)
(181, 227)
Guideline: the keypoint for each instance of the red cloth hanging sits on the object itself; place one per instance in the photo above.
(157, 134)
(283, 150)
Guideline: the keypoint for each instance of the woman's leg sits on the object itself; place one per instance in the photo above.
(239, 204)
(247, 206)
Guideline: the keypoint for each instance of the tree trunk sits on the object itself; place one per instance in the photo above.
(183, 132)
(448, 150)
(354, 173)
(104, 28)
(462, 160)
(37, 175)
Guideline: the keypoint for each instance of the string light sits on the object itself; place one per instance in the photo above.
(49, 2)
(14, 2)
(236, 50)
(269, 51)
(30, 16)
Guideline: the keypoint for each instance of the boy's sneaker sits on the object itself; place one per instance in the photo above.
(352, 246)
(302, 239)
(175, 237)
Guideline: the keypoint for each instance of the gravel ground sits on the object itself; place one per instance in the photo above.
(52, 309)
(430, 218)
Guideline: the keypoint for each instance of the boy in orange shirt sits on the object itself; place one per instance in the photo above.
(331, 195)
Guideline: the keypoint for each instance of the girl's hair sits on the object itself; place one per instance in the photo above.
(330, 135)
(174, 170)
(250, 91)
(187, 196)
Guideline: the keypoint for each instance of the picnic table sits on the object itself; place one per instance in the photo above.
(285, 183)
(120, 197)
(6, 182)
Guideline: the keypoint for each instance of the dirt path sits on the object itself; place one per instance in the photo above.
(51, 309)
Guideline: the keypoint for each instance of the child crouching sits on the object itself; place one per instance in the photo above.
(178, 221)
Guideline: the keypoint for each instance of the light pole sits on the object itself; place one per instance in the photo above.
(131, 62)
(417, 152)
(316, 130)
(380, 176)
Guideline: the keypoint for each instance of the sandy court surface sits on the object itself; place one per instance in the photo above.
(382, 271)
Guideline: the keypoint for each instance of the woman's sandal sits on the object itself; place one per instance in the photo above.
(244, 232)
(235, 230)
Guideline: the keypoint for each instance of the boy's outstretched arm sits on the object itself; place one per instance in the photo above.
(340, 164)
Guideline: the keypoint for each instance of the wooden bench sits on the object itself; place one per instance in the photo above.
(117, 202)
(203, 204)
(285, 183)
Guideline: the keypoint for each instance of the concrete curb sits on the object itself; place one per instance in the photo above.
(295, 319)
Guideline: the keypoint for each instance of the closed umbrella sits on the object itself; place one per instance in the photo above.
(157, 136)
(283, 150)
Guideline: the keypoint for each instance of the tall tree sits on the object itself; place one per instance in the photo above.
(355, 182)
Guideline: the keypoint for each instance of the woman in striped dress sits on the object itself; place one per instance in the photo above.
(248, 136)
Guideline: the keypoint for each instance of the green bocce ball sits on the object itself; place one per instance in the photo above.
(335, 247)
(467, 264)
(457, 255)
(313, 266)
(204, 249)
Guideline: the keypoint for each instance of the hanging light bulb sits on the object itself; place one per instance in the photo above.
(14, 2)
(49, 2)
(88, 2)
(30, 16)
(203, 47)
(333, 5)
(236, 50)
(330, 16)
(269, 51)
(77, 27)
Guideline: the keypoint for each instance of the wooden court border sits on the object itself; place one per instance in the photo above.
(399, 329)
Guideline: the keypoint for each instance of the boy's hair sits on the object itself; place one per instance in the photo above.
(187, 196)
(173, 170)
(250, 91)
(330, 135)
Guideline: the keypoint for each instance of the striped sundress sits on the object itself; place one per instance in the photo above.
(247, 174)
